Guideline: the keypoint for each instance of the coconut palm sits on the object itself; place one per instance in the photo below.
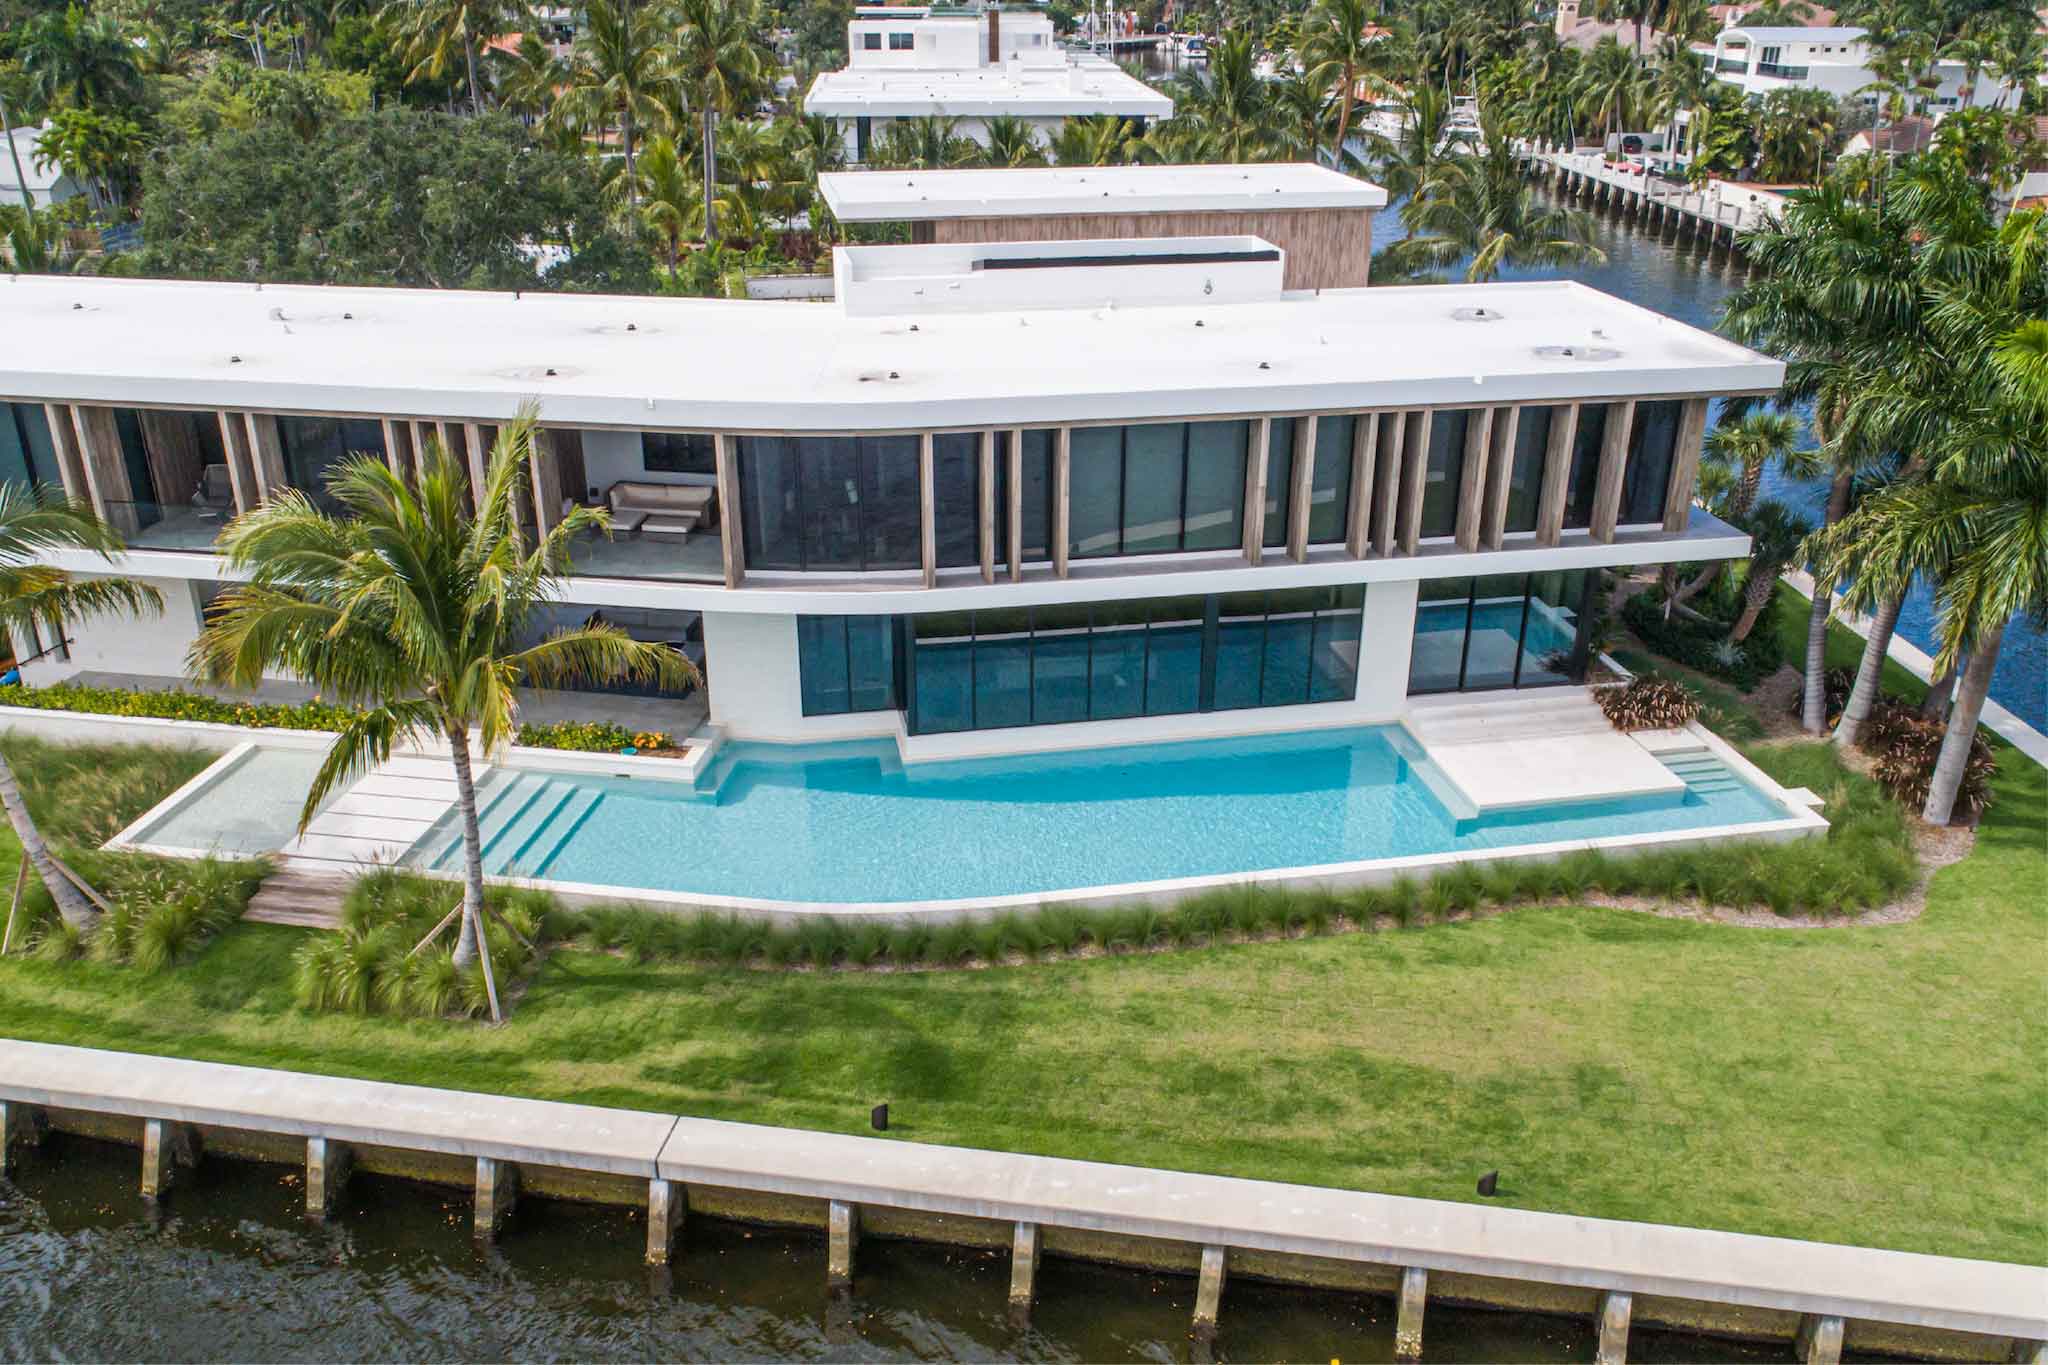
(1612, 85)
(666, 192)
(529, 78)
(1092, 140)
(80, 59)
(1230, 109)
(1336, 51)
(1012, 142)
(621, 73)
(1421, 151)
(723, 64)
(1486, 208)
(38, 598)
(929, 143)
(439, 33)
(409, 605)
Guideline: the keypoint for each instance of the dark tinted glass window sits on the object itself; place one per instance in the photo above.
(1095, 492)
(1215, 485)
(1646, 477)
(831, 502)
(1444, 472)
(1329, 490)
(1584, 478)
(1279, 479)
(1154, 463)
(845, 663)
(1524, 631)
(1495, 642)
(956, 498)
(26, 456)
(1525, 473)
(678, 452)
(771, 516)
(1036, 500)
(1436, 660)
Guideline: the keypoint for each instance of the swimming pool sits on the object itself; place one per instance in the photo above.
(848, 823)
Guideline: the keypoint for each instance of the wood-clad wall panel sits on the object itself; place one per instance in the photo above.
(1326, 248)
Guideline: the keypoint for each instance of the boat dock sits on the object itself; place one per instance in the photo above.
(1721, 216)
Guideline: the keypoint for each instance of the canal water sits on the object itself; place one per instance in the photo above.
(231, 1272)
(1690, 281)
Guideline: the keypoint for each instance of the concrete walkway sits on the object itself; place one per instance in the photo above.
(1825, 1282)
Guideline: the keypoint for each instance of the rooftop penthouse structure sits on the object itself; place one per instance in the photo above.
(969, 63)
(1321, 220)
(997, 497)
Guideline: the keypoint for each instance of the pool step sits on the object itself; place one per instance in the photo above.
(1702, 771)
(567, 821)
(505, 852)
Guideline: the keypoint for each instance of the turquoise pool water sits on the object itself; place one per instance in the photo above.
(848, 823)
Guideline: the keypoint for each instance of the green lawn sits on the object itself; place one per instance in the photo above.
(1877, 1084)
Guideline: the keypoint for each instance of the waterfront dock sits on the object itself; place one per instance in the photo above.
(1718, 215)
(1214, 1227)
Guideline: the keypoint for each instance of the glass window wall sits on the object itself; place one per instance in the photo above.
(1329, 488)
(26, 455)
(1499, 631)
(1525, 471)
(314, 448)
(678, 452)
(1279, 480)
(1444, 472)
(831, 502)
(1156, 488)
(1163, 656)
(1036, 501)
(1584, 478)
(956, 498)
(1652, 442)
(846, 664)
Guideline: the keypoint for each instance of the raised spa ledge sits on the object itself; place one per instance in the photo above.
(1524, 750)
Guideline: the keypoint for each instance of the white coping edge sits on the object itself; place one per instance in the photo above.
(130, 840)
(1920, 664)
(1869, 1284)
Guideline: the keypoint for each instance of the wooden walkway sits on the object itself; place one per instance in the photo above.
(306, 900)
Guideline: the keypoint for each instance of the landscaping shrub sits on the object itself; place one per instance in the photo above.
(1648, 703)
(173, 704)
(369, 967)
(1703, 645)
(1835, 684)
(591, 736)
(162, 910)
(85, 794)
(1906, 748)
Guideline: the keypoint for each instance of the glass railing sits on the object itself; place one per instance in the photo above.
(168, 525)
(1782, 72)
(1735, 65)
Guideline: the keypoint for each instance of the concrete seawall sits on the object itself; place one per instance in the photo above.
(1212, 1226)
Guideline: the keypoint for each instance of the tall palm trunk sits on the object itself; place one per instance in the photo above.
(1940, 692)
(1756, 594)
(28, 202)
(1813, 708)
(1343, 118)
(472, 849)
(710, 175)
(632, 177)
(1962, 727)
(70, 904)
(1863, 695)
(476, 94)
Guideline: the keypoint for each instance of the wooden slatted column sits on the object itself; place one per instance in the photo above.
(70, 460)
(106, 472)
(1358, 516)
(266, 453)
(1557, 471)
(988, 507)
(1414, 477)
(1062, 493)
(927, 509)
(234, 438)
(731, 543)
(1302, 487)
(1392, 436)
(479, 462)
(1500, 478)
(1255, 490)
(1472, 478)
(1613, 459)
(1685, 465)
(398, 447)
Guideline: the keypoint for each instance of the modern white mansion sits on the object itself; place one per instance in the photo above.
(969, 63)
(997, 496)
(1836, 61)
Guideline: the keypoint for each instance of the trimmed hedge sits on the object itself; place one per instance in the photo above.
(1699, 644)
(176, 704)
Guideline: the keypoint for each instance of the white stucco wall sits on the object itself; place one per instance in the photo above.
(755, 684)
(1389, 635)
(149, 644)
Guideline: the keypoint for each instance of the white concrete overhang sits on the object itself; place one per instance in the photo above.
(1063, 191)
(732, 365)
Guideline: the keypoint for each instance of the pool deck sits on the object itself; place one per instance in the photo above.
(378, 819)
(1518, 752)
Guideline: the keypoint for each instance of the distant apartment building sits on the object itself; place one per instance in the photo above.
(969, 63)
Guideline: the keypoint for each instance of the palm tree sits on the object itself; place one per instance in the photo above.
(1230, 109)
(1611, 84)
(1748, 446)
(529, 78)
(928, 143)
(1796, 131)
(1420, 152)
(80, 59)
(622, 71)
(1485, 207)
(418, 611)
(1092, 140)
(1774, 538)
(35, 597)
(1012, 142)
(723, 64)
(1336, 51)
(666, 193)
(439, 32)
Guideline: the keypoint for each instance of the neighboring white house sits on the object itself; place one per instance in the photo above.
(1837, 61)
(970, 64)
(46, 186)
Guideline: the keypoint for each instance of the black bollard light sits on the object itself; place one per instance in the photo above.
(879, 1118)
(1488, 1183)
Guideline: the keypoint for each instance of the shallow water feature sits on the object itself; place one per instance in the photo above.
(231, 1272)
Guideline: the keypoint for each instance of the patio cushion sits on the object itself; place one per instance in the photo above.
(660, 507)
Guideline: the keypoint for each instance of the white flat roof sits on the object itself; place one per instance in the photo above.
(898, 196)
(739, 365)
(1796, 35)
(1075, 88)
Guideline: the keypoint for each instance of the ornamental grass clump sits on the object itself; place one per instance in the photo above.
(1649, 703)
(370, 967)
(161, 912)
